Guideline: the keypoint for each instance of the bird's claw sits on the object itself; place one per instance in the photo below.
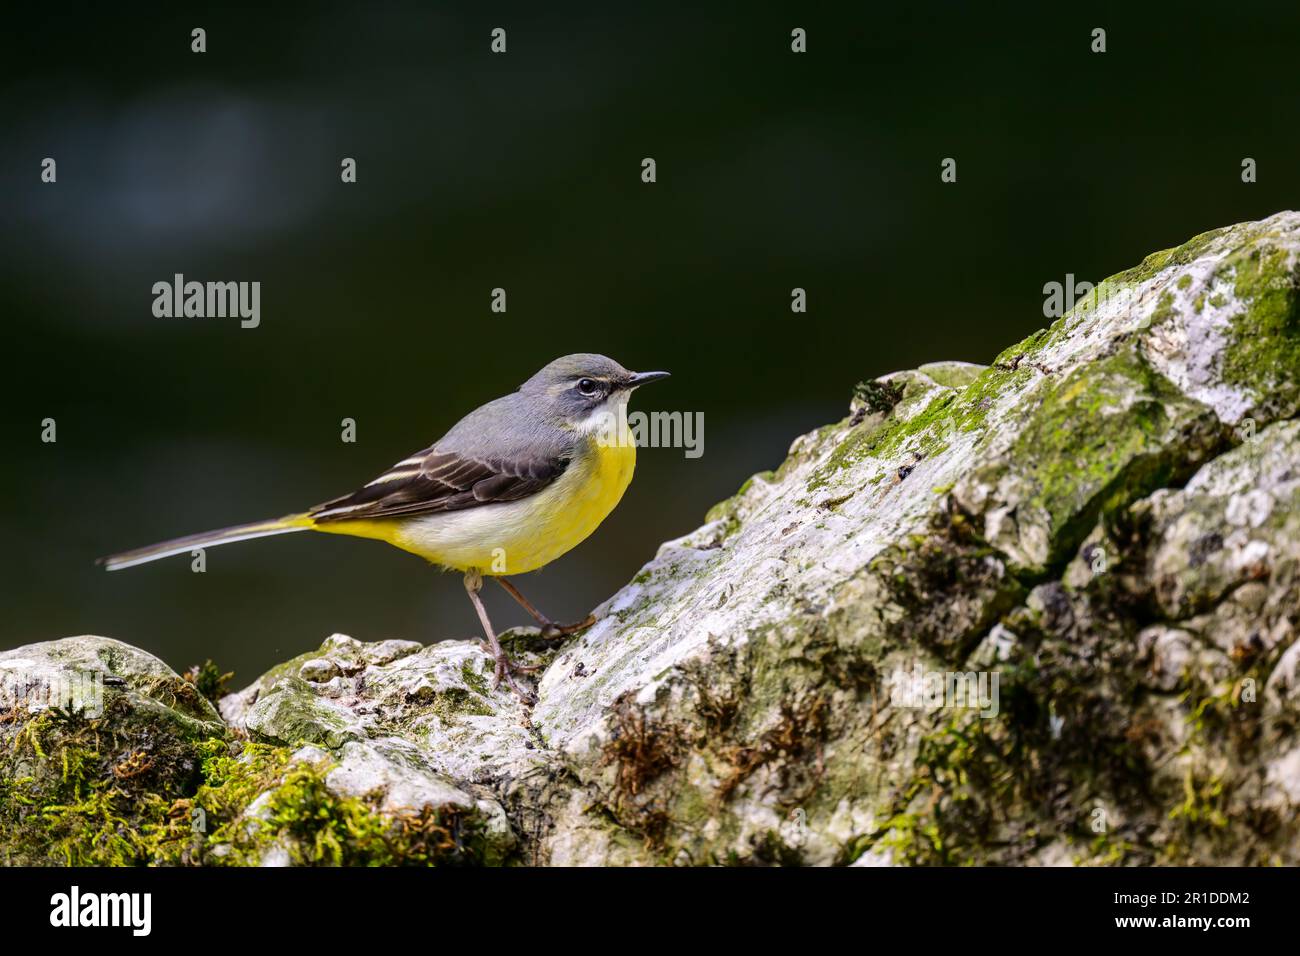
(551, 630)
(505, 669)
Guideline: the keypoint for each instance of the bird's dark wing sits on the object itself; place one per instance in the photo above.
(434, 481)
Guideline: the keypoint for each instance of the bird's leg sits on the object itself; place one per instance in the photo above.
(505, 667)
(549, 627)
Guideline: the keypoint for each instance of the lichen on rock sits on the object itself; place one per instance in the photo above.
(1085, 555)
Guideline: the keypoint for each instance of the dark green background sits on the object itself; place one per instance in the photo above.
(522, 171)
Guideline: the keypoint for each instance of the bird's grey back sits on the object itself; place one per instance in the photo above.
(513, 427)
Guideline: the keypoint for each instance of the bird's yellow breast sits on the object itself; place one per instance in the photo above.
(515, 537)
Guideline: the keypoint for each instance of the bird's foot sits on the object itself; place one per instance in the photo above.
(505, 670)
(551, 630)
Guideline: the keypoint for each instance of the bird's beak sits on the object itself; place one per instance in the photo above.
(640, 378)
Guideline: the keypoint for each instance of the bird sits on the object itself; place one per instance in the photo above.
(512, 486)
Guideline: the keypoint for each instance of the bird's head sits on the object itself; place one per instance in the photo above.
(583, 390)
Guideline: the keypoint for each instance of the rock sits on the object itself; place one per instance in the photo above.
(1041, 612)
(319, 670)
(93, 733)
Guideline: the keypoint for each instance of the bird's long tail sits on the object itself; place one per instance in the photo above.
(207, 539)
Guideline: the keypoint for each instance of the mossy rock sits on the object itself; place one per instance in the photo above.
(99, 742)
(108, 757)
(1104, 518)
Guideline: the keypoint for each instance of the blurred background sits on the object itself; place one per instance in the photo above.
(522, 171)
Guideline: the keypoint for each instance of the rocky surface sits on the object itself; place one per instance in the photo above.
(1097, 535)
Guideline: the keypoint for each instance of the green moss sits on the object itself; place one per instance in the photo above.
(912, 841)
(1264, 352)
(1164, 307)
(173, 700)
(1100, 440)
(76, 791)
(94, 791)
(1130, 279)
(292, 713)
(235, 774)
(1157, 262)
(951, 374)
(209, 680)
(726, 512)
(317, 827)
(918, 424)
(988, 791)
(968, 761)
(1203, 803)
(104, 812)
(473, 678)
(1107, 850)
(454, 702)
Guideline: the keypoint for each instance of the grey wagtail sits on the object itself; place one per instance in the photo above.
(515, 484)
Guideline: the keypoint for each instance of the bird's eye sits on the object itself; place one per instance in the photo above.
(588, 387)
